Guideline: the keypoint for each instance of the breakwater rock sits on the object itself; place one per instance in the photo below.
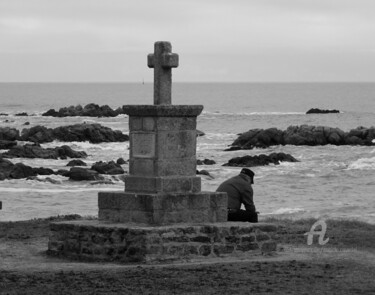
(89, 110)
(36, 151)
(94, 133)
(260, 160)
(7, 133)
(319, 111)
(8, 170)
(303, 135)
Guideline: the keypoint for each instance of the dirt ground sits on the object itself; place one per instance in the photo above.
(295, 269)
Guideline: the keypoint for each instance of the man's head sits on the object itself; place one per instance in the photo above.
(249, 173)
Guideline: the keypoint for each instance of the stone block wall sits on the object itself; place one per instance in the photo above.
(94, 241)
(162, 149)
(161, 209)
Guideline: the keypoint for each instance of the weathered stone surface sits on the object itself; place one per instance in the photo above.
(76, 163)
(304, 135)
(126, 243)
(206, 162)
(7, 144)
(176, 184)
(163, 110)
(320, 111)
(36, 151)
(107, 168)
(7, 133)
(8, 170)
(90, 110)
(162, 208)
(94, 133)
(79, 174)
(260, 160)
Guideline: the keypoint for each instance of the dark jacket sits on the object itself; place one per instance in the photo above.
(239, 192)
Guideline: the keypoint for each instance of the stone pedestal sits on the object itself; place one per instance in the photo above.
(123, 243)
(163, 208)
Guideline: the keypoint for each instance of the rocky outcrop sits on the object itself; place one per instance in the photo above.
(90, 110)
(36, 151)
(76, 163)
(7, 133)
(206, 162)
(110, 168)
(79, 174)
(260, 160)
(303, 135)
(7, 144)
(94, 133)
(8, 170)
(319, 111)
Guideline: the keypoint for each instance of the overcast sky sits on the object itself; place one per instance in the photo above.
(217, 40)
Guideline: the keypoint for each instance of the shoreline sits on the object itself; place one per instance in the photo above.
(345, 265)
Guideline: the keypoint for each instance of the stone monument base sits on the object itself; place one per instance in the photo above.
(92, 240)
(162, 208)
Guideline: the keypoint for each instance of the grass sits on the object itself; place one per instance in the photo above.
(351, 234)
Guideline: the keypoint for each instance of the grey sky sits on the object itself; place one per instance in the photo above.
(217, 40)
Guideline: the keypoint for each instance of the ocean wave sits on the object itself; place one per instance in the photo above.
(362, 164)
(251, 113)
(56, 190)
(288, 210)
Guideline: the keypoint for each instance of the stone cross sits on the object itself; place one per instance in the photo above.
(162, 60)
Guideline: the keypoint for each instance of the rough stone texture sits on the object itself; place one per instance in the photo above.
(162, 149)
(162, 208)
(126, 243)
(162, 60)
(304, 135)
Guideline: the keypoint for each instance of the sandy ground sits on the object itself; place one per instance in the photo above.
(295, 269)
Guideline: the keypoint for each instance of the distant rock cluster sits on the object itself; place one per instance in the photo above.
(89, 110)
(303, 135)
(319, 111)
(260, 160)
(8, 170)
(94, 133)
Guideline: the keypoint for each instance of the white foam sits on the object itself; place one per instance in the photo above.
(252, 113)
(363, 164)
(288, 210)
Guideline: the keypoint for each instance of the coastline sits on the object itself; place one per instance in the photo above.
(345, 265)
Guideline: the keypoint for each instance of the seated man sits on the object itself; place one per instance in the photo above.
(239, 192)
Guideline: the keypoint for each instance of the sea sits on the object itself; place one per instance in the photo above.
(328, 181)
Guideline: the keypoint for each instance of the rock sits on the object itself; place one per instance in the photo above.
(200, 133)
(260, 160)
(79, 174)
(121, 161)
(26, 123)
(110, 168)
(3, 114)
(94, 133)
(7, 144)
(20, 170)
(7, 133)
(39, 134)
(76, 163)
(206, 162)
(319, 111)
(36, 151)
(303, 135)
(90, 110)
(205, 172)
(43, 171)
(21, 114)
